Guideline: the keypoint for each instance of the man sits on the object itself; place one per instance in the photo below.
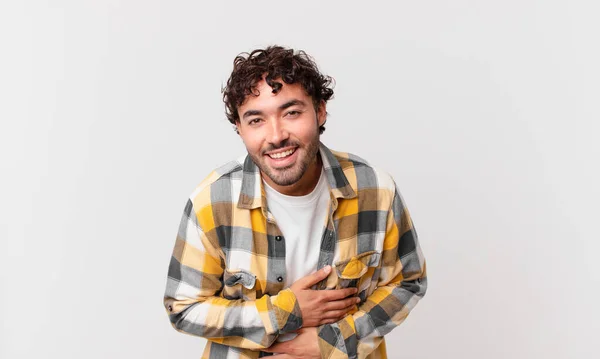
(293, 249)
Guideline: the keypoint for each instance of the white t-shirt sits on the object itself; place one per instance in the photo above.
(301, 220)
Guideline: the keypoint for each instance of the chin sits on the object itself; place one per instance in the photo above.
(284, 180)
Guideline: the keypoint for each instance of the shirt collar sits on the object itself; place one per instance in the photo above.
(252, 194)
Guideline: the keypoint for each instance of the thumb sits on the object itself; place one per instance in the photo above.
(308, 281)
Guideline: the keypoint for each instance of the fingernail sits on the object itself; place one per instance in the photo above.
(327, 269)
(357, 300)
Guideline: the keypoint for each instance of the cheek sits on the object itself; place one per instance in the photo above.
(302, 128)
(307, 131)
(252, 141)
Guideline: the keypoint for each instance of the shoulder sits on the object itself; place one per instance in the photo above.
(219, 185)
(362, 175)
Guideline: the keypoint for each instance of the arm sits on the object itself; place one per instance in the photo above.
(401, 284)
(194, 281)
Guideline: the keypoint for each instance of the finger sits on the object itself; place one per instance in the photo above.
(282, 356)
(337, 294)
(308, 281)
(337, 314)
(341, 304)
(340, 313)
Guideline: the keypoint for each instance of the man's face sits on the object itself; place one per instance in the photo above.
(281, 132)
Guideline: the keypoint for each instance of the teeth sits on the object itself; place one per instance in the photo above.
(282, 154)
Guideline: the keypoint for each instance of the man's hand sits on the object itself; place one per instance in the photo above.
(305, 345)
(322, 306)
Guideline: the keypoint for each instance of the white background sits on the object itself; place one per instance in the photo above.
(485, 112)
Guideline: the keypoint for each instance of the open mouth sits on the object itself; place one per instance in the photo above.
(283, 158)
(283, 154)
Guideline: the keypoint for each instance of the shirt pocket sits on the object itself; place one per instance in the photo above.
(239, 284)
(359, 272)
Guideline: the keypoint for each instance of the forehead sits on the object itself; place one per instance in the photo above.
(267, 99)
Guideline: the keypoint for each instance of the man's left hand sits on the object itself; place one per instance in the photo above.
(305, 345)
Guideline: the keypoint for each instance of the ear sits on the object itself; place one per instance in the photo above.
(322, 113)
(238, 127)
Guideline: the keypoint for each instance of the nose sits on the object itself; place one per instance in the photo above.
(278, 133)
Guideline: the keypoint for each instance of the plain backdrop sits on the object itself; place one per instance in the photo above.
(485, 112)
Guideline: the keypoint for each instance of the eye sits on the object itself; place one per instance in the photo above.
(254, 121)
(293, 113)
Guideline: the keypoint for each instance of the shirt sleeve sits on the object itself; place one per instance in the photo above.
(402, 282)
(193, 304)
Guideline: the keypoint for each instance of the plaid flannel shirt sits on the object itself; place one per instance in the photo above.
(225, 279)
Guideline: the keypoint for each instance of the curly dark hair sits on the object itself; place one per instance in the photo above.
(276, 62)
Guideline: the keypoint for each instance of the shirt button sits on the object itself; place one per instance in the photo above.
(280, 279)
(330, 234)
(278, 238)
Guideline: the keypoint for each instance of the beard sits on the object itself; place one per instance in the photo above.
(291, 174)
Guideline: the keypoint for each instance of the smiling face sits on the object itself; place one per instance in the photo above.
(281, 134)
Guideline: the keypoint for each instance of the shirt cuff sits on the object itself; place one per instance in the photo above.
(280, 313)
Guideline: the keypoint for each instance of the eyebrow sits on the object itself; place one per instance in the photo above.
(251, 113)
(291, 103)
(281, 108)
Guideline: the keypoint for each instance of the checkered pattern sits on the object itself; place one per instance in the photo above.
(226, 276)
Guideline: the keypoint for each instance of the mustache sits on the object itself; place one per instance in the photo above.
(282, 144)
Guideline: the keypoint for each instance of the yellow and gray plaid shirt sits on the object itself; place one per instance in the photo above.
(226, 277)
